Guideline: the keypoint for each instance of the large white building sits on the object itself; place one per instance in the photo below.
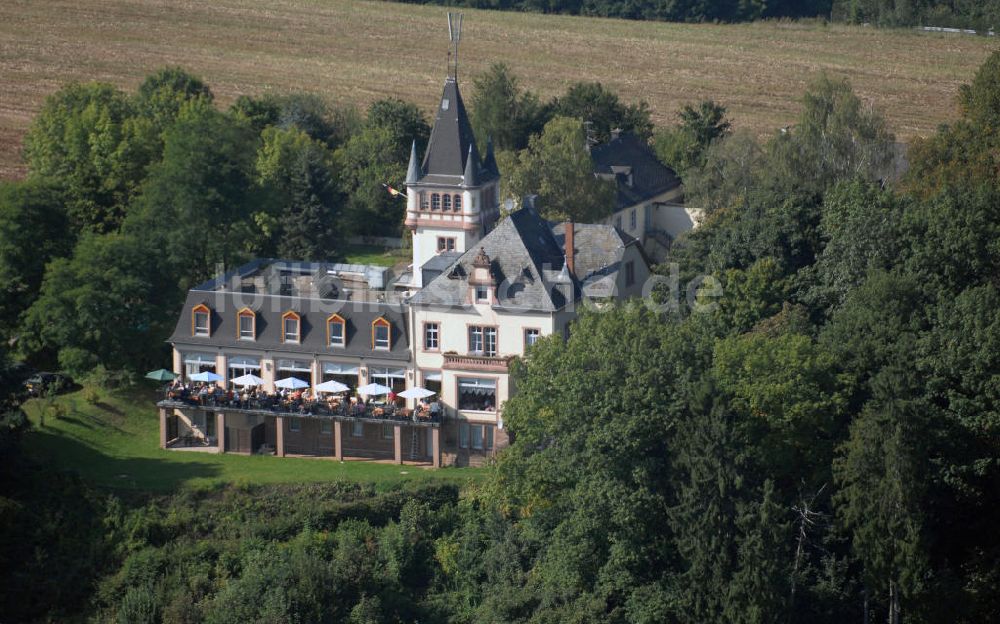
(481, 290)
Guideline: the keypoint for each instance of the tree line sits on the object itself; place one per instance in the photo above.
(893, 13)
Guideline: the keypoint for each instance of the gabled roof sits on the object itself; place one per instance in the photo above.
(452, 140)
(626, 156)
(526, 262)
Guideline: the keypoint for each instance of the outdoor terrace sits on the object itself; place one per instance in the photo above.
(273, 406)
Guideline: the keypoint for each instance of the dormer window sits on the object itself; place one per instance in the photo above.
(201, 321)
(290, 327)
(247, 324)
(435, 201)
(457, 203)
(381, 334)
(446, 203)
(335, 330)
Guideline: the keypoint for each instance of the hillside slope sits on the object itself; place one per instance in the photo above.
(356, 52)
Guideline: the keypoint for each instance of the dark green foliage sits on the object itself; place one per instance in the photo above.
(500, 110)
(90, 142)
(378, 154)
(303, 199)
(34, 229)
(198, 198)
(557, 167)
(163, 94)
(683, 147)
(600, 108)
(107, 304)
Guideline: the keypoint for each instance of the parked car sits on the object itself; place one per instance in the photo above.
(40, 383)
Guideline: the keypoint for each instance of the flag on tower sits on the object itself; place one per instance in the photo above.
(394, 192)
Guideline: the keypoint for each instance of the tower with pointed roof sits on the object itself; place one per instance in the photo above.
(453, 192)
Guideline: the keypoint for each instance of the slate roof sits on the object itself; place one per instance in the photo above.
(451, 138)
(598, 255)
(451, 146)
(625, 153)
(527, 264)
(269, 308)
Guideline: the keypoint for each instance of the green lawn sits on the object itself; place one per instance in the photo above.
(373, 254)
(114, 443)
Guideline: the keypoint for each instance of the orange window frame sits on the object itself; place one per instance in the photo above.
(239, 315)
(298, 326)
(201, 307)
(336, 318)
(381, 322)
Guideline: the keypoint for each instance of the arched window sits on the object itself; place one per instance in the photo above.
(336, 334)
(381, 334)
(201, 320)
(457, 203)
(446, 205)
(435, 202)
(291, 325)
(246, 324)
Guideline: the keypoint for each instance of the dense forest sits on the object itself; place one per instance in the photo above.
(977, 14)
(804, 427)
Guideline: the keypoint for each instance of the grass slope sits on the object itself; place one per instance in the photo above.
(355, 52)
(114, 443)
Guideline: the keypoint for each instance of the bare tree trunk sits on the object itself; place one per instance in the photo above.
(864, 603)
(893, 603)
(799, 547)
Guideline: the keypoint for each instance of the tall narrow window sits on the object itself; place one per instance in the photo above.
(482, 340)
(463, 435)
(446, 202)
(290, 324)
(435, 202)
(618, 222)
(247, 324)
(531, 337)
(381, 334)
(629, 273)
(482, 293)
(200, 320)
(431, 334)
(457, 203)
(423, 201)
(631, 220)
(335, 334)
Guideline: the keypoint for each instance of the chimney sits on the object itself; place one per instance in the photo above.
(570, 253)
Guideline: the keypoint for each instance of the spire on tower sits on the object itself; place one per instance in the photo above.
(471, 177)
(490, 164)
(413, 171)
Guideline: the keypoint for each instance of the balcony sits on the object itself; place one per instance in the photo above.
(472, 362)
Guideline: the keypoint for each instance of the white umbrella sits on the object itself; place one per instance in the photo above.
(291, 383)
(206, 376)
(248, 380)
(417, 393)
(332, 386)
(374, 389)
